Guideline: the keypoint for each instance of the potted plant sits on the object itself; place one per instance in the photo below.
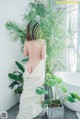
(55, 104)
(17, 76)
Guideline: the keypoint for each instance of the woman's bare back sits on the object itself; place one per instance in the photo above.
(36, 50)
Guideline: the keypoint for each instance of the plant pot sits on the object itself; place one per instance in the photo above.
(18, 96)
(56, 112)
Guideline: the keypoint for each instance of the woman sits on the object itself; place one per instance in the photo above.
(34, 74)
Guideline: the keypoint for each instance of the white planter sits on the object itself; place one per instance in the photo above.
(56, 112)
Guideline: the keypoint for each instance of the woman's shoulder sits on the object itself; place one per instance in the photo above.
(42, 40)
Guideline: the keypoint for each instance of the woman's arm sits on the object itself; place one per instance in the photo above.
(44, 50)
(25, 49)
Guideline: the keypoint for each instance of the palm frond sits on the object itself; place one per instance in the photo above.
(16, 32)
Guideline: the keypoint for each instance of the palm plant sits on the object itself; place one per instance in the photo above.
(51, 21)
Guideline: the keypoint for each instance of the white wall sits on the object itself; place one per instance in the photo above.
(9, 51)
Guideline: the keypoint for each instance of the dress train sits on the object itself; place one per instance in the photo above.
(30, 101)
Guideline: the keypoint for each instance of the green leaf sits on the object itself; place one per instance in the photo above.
(15, 77)
(75, 96)
(13, 84)
(58, 80)
(17, 72)
(16, 32)
(50, 82)
(40, 9)
(70, 99)
(41, 90)
(26, 59)
(47, 101)
(49, 75)
(20, 66)
(12, 76)
(63, 88)
(18, 90)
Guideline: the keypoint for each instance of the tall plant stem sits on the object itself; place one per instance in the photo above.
(55, 93)
(49, 93)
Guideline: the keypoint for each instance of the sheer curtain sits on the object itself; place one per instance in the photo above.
(72, 39)
(70, 56)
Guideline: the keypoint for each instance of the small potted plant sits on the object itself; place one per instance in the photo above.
(55, 103)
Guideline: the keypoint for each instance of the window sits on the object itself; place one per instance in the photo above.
(72, 39)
